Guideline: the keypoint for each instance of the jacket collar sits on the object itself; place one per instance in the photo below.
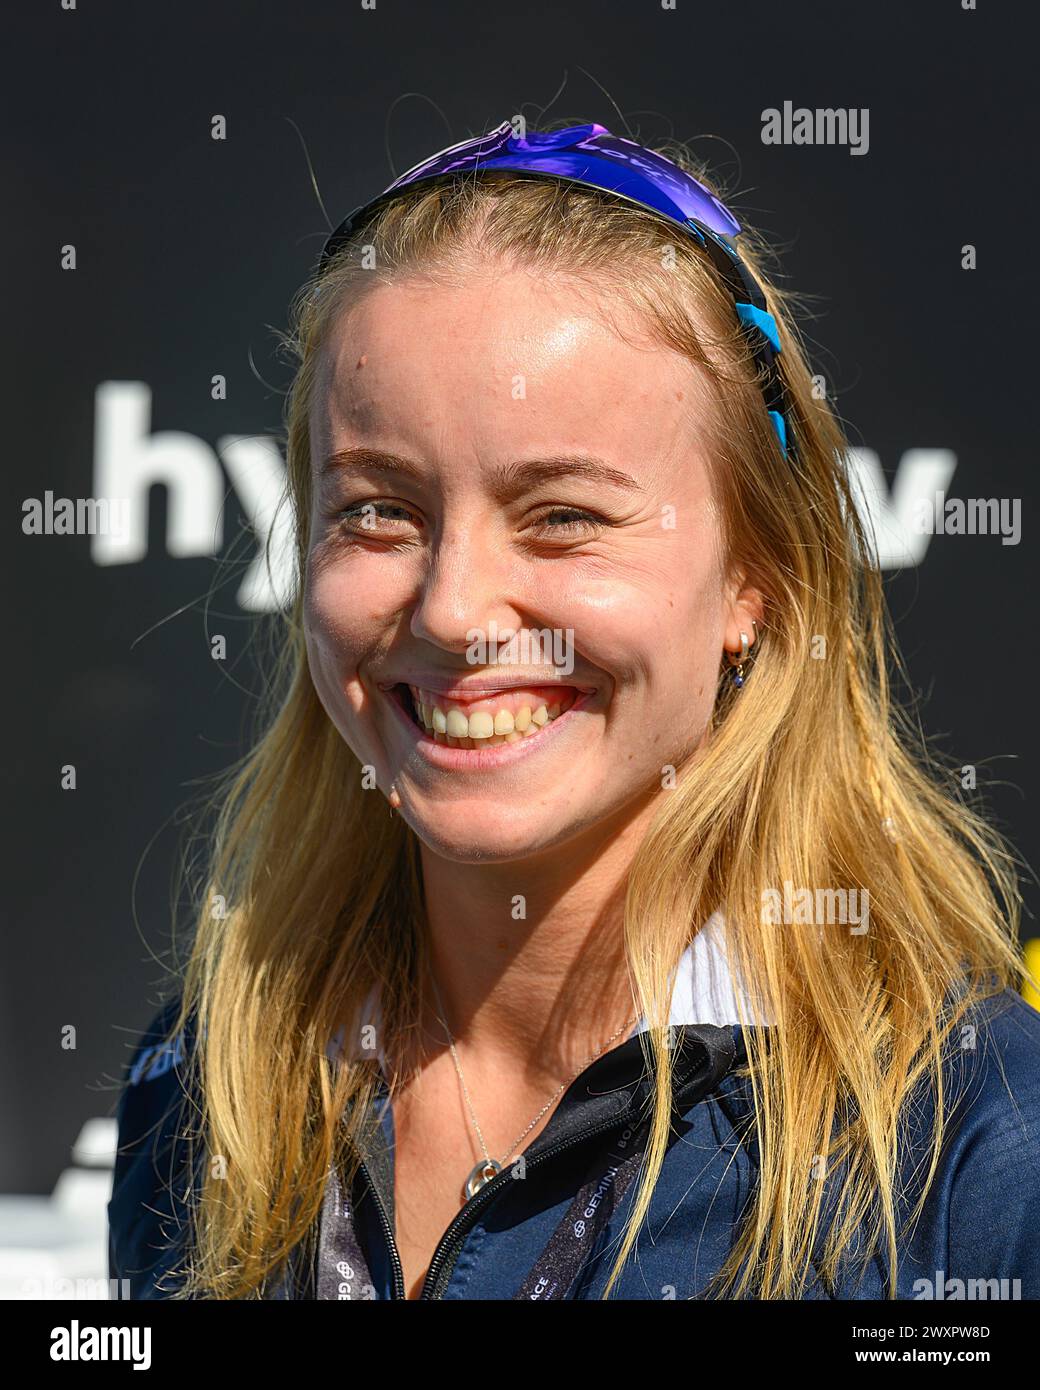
(614, 1089)
(618, 1085)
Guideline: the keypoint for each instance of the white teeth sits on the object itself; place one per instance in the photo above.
(482, 724)
(484, 728)
(458, 724)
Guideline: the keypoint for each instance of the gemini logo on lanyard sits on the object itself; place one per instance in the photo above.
(343, 1272)
(574, 1239)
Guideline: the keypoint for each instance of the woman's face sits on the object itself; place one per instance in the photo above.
(492, 459)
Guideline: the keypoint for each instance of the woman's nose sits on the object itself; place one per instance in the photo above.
(467, 585)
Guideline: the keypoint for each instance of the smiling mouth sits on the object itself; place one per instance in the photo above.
(506, 716)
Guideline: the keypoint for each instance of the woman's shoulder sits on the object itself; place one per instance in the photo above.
(987, 1183)
(146, 1212)
(998, 1042)
(996, 1045)
(990, 1084)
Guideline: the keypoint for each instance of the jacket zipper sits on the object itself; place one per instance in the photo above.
(388, 1232)
(464, 1220)
(459, 1228)
(461, 1224)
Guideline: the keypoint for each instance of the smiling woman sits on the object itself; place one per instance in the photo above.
(470, 523)
(537, 1020)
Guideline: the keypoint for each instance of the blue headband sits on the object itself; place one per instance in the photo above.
(590, 155)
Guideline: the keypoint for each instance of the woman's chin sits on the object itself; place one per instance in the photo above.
(477, 837)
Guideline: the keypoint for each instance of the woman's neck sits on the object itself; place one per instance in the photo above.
(528, 957)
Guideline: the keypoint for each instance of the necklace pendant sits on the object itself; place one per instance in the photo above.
(481, 1176)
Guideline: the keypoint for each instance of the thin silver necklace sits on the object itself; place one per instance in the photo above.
(489, 1167)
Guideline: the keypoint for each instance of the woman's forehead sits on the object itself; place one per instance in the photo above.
(511, 364)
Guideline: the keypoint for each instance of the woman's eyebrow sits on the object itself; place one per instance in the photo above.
(507, 481)
(512, 478)
(361, 460)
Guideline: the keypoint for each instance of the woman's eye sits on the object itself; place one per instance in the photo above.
(370, 516)
(569, 521)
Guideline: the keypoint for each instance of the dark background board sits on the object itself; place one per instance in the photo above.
(189, 250)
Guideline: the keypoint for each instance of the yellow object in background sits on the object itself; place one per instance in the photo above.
(1032, 956)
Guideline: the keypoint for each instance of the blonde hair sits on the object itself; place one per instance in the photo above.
(812, 774)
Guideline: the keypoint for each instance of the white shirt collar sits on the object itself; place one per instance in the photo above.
(702, 991)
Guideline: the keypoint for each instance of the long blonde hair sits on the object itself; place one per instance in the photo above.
(812, 775)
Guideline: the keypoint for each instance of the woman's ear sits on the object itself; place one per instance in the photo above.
(744, 610)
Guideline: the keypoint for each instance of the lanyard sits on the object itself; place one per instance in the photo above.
(343, 1272)
(556, 1268)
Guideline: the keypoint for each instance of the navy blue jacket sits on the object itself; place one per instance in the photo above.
(977, 1236)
